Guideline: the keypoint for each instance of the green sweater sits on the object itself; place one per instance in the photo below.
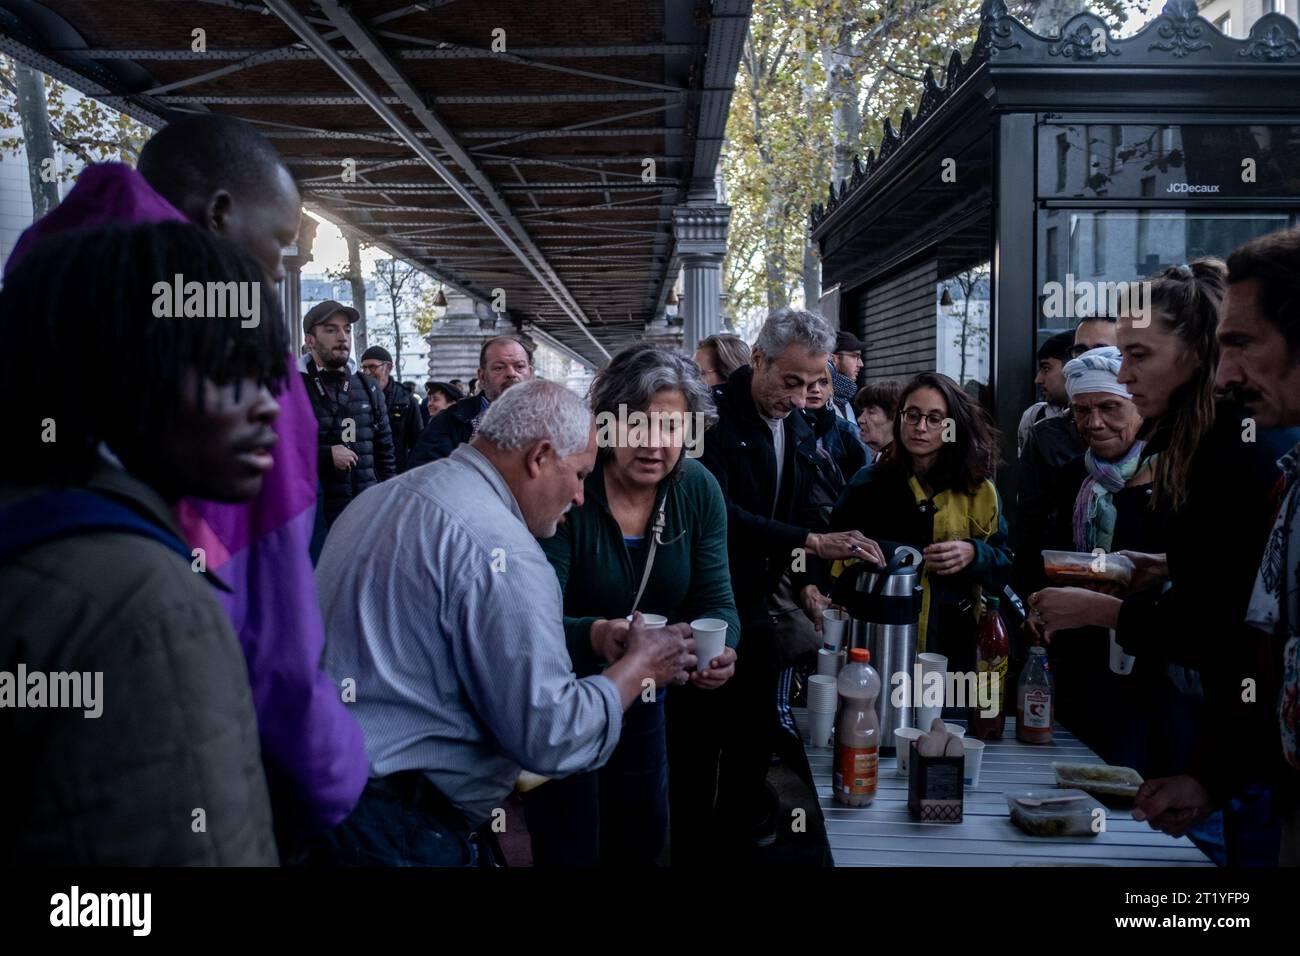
(690, 578)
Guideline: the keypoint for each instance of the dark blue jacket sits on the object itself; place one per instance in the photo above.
(450, 427)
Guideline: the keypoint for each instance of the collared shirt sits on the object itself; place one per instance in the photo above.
(441, 607)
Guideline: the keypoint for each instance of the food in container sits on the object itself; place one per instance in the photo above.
(1073, 818)
(1082, 568)
(1099, 779)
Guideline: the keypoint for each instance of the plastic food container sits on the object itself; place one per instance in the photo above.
(1080, 567)
(1075, 818)
(1099, 779)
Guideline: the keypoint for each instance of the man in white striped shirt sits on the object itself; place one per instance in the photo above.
(443, 624)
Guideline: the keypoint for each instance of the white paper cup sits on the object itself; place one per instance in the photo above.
(903, 738)
(834, 621)
(651, 622)
(957, 730)
(926, 716)
(710, 635)
(822, 695)
(821, 728)
(1120, 663)
(828, 662)
(973, 751)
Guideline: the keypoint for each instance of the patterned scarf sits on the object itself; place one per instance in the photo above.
(1275, 604)
(844, 387)
(1094, 508)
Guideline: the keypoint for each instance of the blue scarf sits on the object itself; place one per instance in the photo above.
(1094, 508)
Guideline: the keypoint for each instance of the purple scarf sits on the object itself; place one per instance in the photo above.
(312, 748)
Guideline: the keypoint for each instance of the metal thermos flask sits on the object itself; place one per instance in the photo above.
(884, 605)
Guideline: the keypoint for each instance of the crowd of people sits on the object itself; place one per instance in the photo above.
(338, 625)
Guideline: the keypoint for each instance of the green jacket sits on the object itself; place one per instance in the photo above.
(177, 732)
(690, 578)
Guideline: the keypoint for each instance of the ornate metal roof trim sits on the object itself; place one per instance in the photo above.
(1085, 42)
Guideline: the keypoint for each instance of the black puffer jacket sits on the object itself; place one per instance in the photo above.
(404, 419)
(347, 401)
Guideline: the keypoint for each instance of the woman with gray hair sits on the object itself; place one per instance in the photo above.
(651, 538)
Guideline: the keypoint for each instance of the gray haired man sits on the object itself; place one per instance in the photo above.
(766, 461)
(444, 631)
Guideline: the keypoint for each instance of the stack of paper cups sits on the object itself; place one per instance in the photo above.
(822, 699)
(930, 663)
(834, 621)
(828, 662)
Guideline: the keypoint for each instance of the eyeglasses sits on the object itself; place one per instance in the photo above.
(1111, 411)
(913, 416)
(371, 368)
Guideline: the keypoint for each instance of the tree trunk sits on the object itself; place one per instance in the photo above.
(394, 292)
(773, 264)
(846, 118)
(38, 140)
(358, 283)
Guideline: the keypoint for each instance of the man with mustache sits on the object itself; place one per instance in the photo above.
(1259, 366)
(355, 447)
(502, 362)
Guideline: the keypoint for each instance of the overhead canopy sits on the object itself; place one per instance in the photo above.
(537, 148)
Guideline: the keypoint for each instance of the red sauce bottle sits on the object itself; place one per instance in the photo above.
(992, 653)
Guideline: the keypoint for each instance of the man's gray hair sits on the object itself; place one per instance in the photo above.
(538, 410)
(787, 327)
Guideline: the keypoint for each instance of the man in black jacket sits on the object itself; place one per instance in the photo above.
(766, 461)
(404, 418)
(502, 362)
(355, 444)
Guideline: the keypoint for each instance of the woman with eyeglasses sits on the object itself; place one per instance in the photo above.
(933, 491)
(650, 537)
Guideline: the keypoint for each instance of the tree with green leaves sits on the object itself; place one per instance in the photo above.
(44, 114)
(816, 81)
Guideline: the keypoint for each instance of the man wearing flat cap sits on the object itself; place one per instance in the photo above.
(355, 443)
(845, 365)
(404, 418)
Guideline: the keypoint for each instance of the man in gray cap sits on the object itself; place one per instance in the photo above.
(404, 417)
(355, 443)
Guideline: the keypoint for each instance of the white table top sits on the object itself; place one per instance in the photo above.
(884, 833)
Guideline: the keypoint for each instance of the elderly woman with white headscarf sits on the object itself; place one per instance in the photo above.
(1124, 718)
(1108, 420)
